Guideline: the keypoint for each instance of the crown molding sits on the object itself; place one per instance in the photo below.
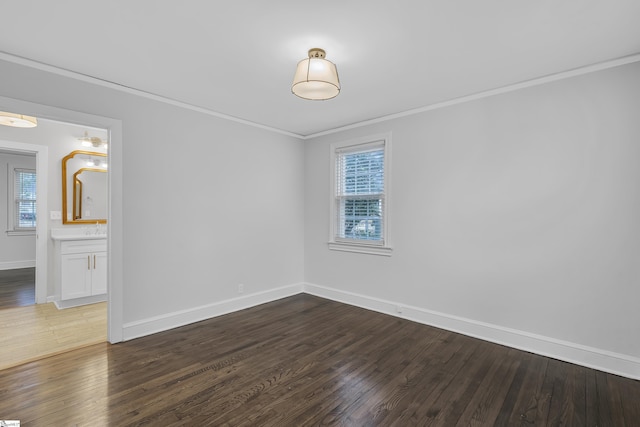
(122, 88)
(488, 93)
(467, 98)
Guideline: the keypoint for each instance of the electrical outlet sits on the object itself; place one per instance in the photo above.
(240, 288)
(55, 215)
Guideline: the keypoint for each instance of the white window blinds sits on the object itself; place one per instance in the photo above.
(360, 193)
(25, 199)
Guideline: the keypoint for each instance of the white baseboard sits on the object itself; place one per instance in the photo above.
(600, 359)
(77, 302)
(184, 317)
(603, 360)
(10, 265)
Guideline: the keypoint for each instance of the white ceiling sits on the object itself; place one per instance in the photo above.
(238, 57)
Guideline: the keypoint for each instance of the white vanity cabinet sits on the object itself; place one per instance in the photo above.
(83, 268)
(80, 270)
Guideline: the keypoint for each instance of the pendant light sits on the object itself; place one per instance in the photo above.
(316, 78)
(17, 120)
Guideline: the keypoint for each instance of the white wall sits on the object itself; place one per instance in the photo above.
(515, 213)
(16, 251)
(207, 203)
(519, 212)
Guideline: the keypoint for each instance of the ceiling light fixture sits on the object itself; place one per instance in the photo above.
(92, 141)
(17, 120)
(316, 78)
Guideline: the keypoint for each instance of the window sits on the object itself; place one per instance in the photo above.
(23, 203)
(360, 196)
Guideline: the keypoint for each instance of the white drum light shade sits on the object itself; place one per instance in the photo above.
(316, 78)
(17, 120)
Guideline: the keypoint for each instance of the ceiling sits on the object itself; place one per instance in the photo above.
(237, 58)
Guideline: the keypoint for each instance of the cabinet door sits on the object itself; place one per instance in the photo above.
(99, 273)
(76, 275)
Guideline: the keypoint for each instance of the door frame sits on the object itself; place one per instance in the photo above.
(42, 224)
(114, 217)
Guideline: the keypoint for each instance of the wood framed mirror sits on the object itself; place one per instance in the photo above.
(84, 188)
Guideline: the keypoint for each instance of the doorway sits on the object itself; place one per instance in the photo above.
(18, 243)
(115, 231)
(44, 330)
(27, 249)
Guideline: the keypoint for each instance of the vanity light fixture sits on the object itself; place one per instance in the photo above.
(92, 141)
(17, 120)
(96, 163)
(316, 78)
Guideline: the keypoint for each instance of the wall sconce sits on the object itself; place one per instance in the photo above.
(316, 78)
(92, 141)
(93, 163)
(17, 120)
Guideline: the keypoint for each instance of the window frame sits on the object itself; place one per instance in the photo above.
(373, 247)
(13, 228)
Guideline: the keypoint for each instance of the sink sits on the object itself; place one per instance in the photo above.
(75, 233)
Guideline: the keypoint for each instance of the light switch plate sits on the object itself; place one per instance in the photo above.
(55, 215)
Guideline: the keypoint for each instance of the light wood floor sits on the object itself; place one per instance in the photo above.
(306, 361)
(33, 332)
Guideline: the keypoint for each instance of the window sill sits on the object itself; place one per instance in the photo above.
(21, 232)
(360, 248)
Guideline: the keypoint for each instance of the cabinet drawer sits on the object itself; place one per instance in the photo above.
(81, 246)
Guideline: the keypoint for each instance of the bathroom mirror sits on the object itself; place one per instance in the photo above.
(84, 188)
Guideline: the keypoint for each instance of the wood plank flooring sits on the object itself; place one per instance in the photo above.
(29, 332)
(37, 331)
(17, 287)
(306, 361)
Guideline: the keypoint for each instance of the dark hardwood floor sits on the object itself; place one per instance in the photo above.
(306, 361)
(17, 287)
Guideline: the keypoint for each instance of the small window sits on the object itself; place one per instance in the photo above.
(23, 203)
(360, 196)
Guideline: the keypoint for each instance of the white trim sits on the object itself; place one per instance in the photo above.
(179, 318)
(595, 358)
(382, 247)
(30, 232)
(362, 249)
(12, 227)
(144, 94)
(11, 265)
(77, 302)
(115, 234)
(504, 89)
(485, 94)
